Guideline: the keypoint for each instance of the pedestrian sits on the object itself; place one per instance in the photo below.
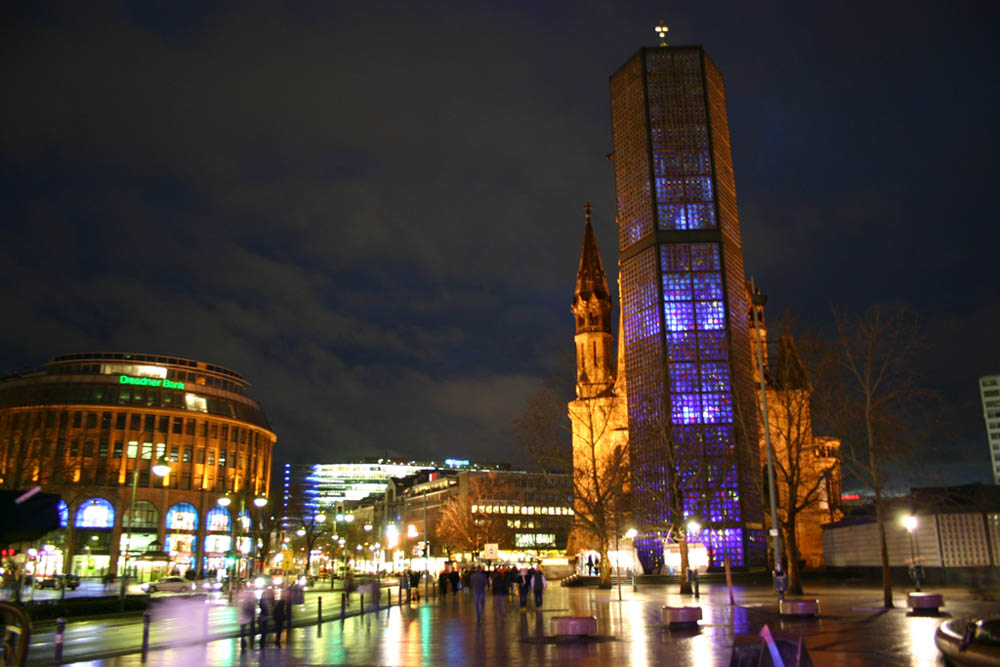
(590, 564)
(266, 611)
(281, 609)
(538, 585)
(456, 582)
(415, 584)
(523, 586)
(248, 609)
(443, 583)
(501, 586)
(477, 582)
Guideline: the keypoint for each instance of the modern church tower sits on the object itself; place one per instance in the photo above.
(687, 348)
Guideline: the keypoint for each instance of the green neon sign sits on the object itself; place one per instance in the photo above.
(150, 382)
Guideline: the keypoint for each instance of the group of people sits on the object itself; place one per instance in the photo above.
(502, 582)
(258, 617)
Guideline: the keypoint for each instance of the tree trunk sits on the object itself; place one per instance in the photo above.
(683, 546)
(605, 566)
(886, 573)
(792, 555)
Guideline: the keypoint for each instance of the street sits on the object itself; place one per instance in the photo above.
(853, 629)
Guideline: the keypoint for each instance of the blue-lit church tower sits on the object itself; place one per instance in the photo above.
(687, 352)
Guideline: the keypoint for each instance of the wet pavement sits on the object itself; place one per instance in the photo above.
(853, 629)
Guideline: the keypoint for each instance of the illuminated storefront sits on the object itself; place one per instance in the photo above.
(91, 426)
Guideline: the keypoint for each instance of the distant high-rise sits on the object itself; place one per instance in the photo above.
(687, 346)
(989, 391)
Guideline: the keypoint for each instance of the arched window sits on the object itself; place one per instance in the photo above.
(63, 514)
(146, 516)
(218, 519)
(95, 513)
(182, 516)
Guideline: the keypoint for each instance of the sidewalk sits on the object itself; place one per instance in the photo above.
(853, 630)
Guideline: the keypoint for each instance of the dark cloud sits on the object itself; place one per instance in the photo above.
(374, 211)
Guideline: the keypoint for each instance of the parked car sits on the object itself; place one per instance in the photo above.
(169, 585)
(56, 581)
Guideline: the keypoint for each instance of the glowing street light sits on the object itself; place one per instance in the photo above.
(320, 518)
(161, 468)
(260, 501)
(910, 524)
(694, 527)
(631, 534)
(301, 532)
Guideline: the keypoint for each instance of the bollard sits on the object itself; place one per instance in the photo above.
(319, 616)
(145, 635)
(362, 603)
(343, 605)
(60, 632)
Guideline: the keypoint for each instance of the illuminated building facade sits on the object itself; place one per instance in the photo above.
(989, 392)
(91, 426)
(684, 306)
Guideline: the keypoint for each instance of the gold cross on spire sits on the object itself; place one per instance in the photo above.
(661, 32)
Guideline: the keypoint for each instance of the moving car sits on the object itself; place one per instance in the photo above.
(56, 581)
(169, 585)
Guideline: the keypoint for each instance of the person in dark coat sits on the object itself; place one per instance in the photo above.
(523, 586)
(280, 614)
(501, 587)
(266, 611)
(443, 583)
(454, 578)
(478, 583)
(415, 584)
(538, 585)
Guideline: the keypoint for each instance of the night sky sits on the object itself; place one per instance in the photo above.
(374, 211)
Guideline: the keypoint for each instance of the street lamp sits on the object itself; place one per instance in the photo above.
(758, 299)
(160, 469)
(910, 524)
(693, 527)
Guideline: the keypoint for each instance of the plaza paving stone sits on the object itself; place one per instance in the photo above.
(853, 629)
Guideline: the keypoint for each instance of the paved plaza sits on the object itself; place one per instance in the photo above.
(853, 629)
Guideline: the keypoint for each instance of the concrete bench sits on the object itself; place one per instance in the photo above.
(580, 626)
(680, 616)
(924, 603)
(799, 607)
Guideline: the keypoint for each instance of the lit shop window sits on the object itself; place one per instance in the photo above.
(95, 513)
(182, 516)
(217, 519)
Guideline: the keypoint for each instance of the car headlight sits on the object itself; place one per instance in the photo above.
(259, 582)
(144, 587)
(217, 586)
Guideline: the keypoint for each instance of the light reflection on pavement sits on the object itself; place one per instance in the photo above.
(853, 630)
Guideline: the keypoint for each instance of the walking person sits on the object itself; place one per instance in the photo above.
(523, 586)
(443, 584)
(281, 609)
(456, 581)
(248, 609)
(415, 584)
(501, 587)
(538, 585)
(477, 582)
(266, 611)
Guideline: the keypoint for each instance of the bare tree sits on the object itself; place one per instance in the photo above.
(596, 456)
(804, 464)
(306, 523)
(466, 521)
(878, 399)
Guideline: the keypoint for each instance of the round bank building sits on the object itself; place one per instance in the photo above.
(140, 448)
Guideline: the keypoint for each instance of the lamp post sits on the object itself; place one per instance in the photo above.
(910, 523)
(226, 501)
(631, 534)
(161, 469)
(758, 299)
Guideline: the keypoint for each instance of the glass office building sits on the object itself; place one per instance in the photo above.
(687, 351)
